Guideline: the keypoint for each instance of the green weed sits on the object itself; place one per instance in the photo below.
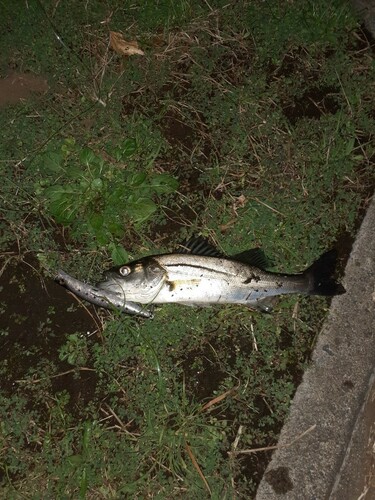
(97, 198)
(250, 123)
(74, 351)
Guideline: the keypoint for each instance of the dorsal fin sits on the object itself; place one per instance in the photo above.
(197, 245)
(254, 257)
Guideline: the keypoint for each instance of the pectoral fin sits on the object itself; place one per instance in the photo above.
(264, 305)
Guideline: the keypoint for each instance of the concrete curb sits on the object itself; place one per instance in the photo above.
(335, 403)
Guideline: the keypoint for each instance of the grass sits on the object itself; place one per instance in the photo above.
(251, 124)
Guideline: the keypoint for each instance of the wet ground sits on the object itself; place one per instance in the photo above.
(36, 316)
(18, 86)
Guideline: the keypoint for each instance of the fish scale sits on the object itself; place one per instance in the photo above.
(208, 280)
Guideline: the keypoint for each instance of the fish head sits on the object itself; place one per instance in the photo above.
(138, 281)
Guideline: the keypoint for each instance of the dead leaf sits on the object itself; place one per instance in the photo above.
(224, 227)
(239, 202)
(122, 47)
(196, 465)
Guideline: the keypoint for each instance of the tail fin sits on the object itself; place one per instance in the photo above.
(320, 274)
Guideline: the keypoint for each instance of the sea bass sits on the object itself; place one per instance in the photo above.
(199, 275)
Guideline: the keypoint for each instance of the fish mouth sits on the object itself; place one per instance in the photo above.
(138, 290)
(113, 286)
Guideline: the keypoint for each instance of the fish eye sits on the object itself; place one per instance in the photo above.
(124, 270)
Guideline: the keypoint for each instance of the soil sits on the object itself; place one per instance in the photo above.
(18, 86)
(36, 318)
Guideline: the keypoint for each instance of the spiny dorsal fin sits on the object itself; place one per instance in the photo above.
(197, 245)
(254, 257)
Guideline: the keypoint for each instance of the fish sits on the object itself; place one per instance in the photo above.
(100, 297)
(200, 275)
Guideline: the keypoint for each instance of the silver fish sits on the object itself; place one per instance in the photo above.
(100, 297)
(201, 276)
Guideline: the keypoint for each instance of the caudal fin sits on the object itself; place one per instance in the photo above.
(320, 275)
